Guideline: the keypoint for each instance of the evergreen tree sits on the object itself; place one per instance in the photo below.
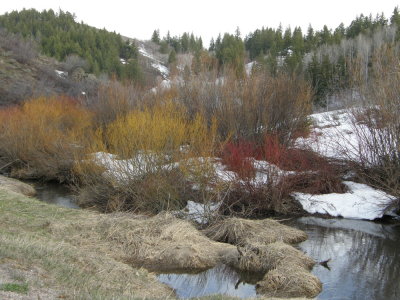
(395, 18)
(212, 45)
(156, 36)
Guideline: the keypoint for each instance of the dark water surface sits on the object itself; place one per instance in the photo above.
(364, 258)
(55, 193)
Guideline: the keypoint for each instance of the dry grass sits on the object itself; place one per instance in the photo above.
(162, 242)
(242, 232)
(287, 270)
(78, 265)
(289, 281)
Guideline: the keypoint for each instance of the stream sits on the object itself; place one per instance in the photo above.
(364, 258)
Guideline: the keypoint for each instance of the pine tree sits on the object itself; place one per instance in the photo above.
(212, 45)
(395, 18)
(156, 36)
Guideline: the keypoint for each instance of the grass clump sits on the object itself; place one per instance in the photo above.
(20, 288)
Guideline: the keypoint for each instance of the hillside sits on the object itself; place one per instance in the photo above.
(58, 35)
(24, 73)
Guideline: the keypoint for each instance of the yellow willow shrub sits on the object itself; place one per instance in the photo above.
(157, 161)
(160, 129)
(43, 136)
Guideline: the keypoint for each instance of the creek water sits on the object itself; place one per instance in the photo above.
(364, 258)
(55, 193)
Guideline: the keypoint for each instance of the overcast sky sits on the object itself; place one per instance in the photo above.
(207, 18)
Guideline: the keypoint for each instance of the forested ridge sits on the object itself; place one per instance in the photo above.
(323, 57)
(59, 35)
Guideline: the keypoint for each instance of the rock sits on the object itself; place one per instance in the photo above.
(16, 186)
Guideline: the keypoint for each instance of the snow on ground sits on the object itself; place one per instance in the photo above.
(123, 169)
(332, 136)
(161, 68)
(199, 212)
(361, 202)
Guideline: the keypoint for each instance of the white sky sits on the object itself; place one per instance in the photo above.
(207, 18)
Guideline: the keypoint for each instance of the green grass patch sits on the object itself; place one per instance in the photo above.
(20, 288)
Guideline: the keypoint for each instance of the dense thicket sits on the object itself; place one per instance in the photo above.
(59, 36)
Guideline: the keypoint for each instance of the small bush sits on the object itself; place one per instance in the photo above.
(249, 200)
(237, 157)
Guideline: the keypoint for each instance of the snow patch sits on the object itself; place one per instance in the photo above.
(156, 64)
(199, 212)
(249, 67)
(61, 74)
(161, 68)
(333, 135)
(361, 202)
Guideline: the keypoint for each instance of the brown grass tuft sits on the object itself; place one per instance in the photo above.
(289, 281)
(242, 232)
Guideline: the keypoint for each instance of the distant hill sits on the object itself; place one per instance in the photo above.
(59, 36)
(24, 73)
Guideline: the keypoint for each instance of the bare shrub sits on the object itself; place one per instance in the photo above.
(111, 100)
(23, 50)
(73, 61)
(248, 199)
(376, 123)
(252, 106)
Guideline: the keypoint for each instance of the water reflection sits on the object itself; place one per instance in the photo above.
(218, 280)
(365, 257)
(56, 194)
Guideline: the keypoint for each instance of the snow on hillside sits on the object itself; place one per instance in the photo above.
(155, 63)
